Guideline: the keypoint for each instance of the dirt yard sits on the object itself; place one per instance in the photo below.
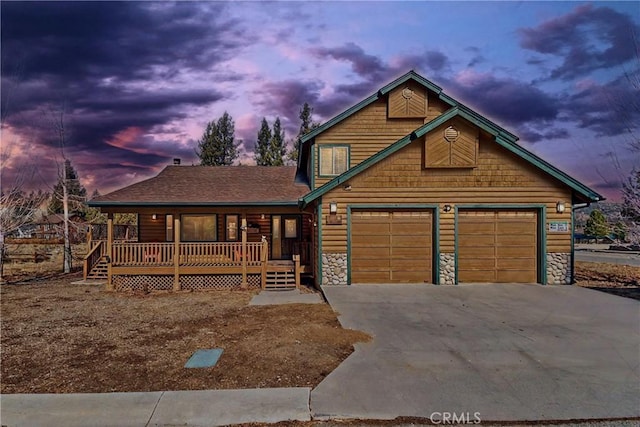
(621, 280)
(63, 338)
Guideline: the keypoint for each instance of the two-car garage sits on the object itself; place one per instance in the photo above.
(397, 246)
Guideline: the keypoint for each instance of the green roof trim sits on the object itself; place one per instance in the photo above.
(501, 136)
(190, 204)
(549, 168)
(359, 106)
(408, 76)
(340, 117)
(382, 154)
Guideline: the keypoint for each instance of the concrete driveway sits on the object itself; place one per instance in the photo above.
(504, 351)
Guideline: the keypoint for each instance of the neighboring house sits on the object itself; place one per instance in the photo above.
(406, 186)
(51, 227)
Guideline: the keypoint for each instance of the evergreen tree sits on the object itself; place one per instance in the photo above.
(277, 147)
(596, 225)
(77, 193)
(263, 144)
(306, 125)
(217, 146)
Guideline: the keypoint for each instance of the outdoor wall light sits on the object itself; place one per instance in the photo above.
(333, 208)
(154, 217)
(560, 206)
(447, 208)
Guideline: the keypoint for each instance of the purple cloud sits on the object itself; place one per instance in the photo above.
(587, 39)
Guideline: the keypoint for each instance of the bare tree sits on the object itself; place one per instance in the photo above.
(17, 209)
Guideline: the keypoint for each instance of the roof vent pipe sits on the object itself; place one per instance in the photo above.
(176, 161)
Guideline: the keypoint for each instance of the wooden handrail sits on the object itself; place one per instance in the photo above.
(93, 258)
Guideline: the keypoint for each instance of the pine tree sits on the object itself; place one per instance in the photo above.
(217, 146)
(277, 148)
(596, 225)
(307, 125)
(261, 154)
(77, 193)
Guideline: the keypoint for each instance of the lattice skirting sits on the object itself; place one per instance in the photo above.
(142, 283)
(194, 282)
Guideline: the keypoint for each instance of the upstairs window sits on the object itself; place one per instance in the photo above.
(334, 160)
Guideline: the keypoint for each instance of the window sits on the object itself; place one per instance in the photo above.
(198, 228)
(334, 160)
(169, 228)
(290, 228)
(232, 227)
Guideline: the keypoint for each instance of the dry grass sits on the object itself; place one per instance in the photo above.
(622, 280)
(63, 338)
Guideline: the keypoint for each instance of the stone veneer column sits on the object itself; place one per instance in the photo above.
(447, 269)
(334, 269)
(559, 268)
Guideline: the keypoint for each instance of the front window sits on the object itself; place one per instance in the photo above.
(199, 228)
(334, 160)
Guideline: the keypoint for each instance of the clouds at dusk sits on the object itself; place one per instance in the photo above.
(138, 81)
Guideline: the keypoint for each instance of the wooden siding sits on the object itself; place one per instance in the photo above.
(366, 132)
(459, 153)
(408, 101)
(151, 230)
(499, 178)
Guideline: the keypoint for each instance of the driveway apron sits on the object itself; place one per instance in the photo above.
(497, 352)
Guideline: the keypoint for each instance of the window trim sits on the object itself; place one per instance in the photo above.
(226, 228)
(182, 216)
(333, 146)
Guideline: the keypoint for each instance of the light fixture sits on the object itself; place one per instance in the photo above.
(333, 208)
(446, 208)
(261, 216)
(154, 217)
(560, 206)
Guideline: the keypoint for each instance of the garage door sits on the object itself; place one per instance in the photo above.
(391, 246)
(497, 246)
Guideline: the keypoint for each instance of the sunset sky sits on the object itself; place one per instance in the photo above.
(138, 81)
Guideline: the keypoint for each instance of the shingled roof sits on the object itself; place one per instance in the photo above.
(210, 186)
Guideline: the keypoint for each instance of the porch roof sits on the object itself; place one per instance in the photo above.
(210, 186)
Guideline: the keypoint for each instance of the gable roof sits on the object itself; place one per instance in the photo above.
(502, 137)
(211, 186)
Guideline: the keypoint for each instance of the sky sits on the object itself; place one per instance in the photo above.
(135, 83)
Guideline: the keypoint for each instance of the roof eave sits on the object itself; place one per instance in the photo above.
(99, 204)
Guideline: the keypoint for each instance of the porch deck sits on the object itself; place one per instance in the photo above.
(175, 266)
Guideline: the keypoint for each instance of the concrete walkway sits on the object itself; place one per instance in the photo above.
(293, 296)
(170, 408)
(505, 351)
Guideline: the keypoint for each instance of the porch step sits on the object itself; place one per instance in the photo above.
(280, 276)
(99, 271)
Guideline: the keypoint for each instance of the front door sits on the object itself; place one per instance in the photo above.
(285, 235)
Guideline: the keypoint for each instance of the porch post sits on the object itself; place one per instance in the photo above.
(109, 251)
(176, 253)
(296, 267)
(244, 252)
(264, 259)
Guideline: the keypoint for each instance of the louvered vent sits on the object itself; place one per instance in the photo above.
(451, 134)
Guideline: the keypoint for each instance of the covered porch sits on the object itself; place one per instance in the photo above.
(203, 248)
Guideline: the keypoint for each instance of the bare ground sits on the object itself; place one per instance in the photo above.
(64, 338)
(621, 280)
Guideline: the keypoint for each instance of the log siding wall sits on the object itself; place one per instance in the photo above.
(499, 178)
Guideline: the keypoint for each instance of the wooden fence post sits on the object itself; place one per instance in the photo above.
(109, 251)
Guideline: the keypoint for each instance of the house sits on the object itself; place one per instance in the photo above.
(408, 185)
(51, 227)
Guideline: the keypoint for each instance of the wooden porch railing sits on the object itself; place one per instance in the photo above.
(190, 254)
(97, 251)
(142, 254)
